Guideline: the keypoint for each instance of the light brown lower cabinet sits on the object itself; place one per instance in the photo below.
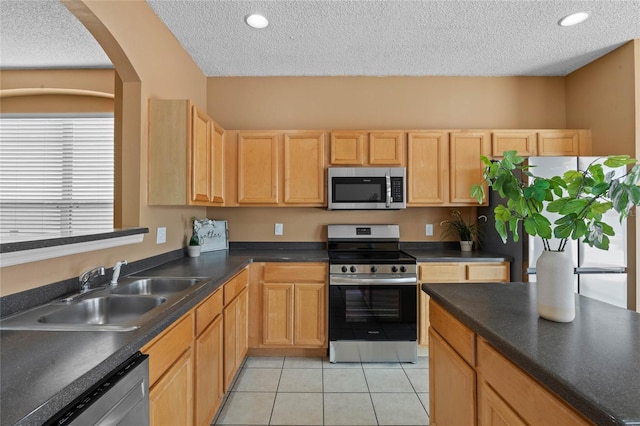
(193, 361)
(294, 305)
(171, 398)
(235, 335)
(453, 272)
(209, 351)
(472, 383)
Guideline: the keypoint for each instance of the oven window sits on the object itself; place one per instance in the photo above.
(364, 304)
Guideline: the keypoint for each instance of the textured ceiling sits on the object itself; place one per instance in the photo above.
(375, 38)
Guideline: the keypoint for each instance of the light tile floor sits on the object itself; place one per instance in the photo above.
(312, 391)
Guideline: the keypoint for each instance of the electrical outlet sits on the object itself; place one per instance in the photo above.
(279, 229)
(161, 235)
(428, 230)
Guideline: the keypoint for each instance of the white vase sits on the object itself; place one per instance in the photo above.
(554, 286)
(194, 251)
(466, 245)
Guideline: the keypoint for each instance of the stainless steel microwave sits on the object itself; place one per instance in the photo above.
(367, 188)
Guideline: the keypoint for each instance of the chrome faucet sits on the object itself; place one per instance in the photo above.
(116, 271)
(88, 276)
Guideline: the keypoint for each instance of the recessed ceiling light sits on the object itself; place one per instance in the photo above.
(256, 21)
(573, 19)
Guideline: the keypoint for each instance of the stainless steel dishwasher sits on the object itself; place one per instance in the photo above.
(121, 398)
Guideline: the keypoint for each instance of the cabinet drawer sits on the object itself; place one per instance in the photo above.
(294, 273)
(452, 272)
(208, 310)
(234, 286)
(532, 401)
(166, 348)
(454, 332)
(487, 272)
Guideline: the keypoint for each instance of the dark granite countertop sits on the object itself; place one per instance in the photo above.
(593, 363)
(454, 255)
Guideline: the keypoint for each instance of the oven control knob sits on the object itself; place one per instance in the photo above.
(403, 269)
(374, 269)
(394, 269)
(343, 269)
(353, 269)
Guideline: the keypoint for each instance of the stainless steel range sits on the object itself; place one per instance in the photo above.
(372, 295)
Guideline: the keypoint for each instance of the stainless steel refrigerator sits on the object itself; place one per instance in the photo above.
(599, 274)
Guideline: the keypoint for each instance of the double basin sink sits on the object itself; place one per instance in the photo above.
(124, 307)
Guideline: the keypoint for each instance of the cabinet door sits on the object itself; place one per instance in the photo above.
(452, 400)
(559, 142)
(200, 156)
(209, 372)
(258, 168)
(428, 168)
(171, 398)
(230, 336)
(347, 148)
(277, 312)
(465, 149)
(386, 148)
(309, 318)
(524, 142)
(217, 164)
(304, 164)
(493, 411)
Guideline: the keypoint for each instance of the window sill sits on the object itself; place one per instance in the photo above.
(13, 251)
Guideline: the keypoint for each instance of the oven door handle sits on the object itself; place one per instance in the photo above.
(371, 281)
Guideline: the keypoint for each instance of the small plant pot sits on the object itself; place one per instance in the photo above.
(466, 245)
(194, 251)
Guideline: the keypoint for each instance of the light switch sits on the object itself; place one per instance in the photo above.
(279, 229)
(161, 235)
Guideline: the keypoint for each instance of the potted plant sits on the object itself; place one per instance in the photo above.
(467, 233)
(580, 198)
(195, 242)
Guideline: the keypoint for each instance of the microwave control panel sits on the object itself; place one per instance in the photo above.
(397, 193)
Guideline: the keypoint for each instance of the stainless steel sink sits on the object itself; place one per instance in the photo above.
(123, 308)
(103, 310)
(156, 286)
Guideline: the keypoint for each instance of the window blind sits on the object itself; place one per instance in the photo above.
(56, 174)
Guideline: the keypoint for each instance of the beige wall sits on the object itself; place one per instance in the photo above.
(128, 32)
(605, 96)
(386, 102)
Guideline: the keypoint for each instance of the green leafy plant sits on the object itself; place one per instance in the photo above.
(457, 227)
(579, 197)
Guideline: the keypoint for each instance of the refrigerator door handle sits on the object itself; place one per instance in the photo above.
(613, 270)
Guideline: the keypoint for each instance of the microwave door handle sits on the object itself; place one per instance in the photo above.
(388, 181)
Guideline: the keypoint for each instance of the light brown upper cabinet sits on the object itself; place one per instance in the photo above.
(185, 155)
(522, 141)
(258, 168)
(541, 142)
(281, 168)
(304, 168)
(465, 149)
(428, 168)
(347, 148)
(386, 148)
(559, 142)
(362, 148)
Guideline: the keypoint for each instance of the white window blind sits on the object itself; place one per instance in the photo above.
(56, 174)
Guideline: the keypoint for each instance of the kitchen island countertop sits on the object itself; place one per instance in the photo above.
(593, 363)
